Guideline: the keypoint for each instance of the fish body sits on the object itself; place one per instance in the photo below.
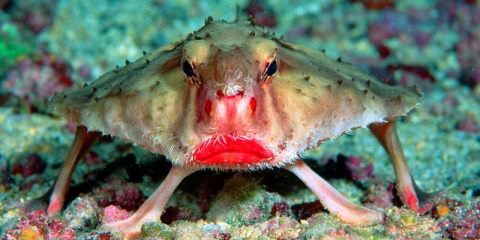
(231, 96)
(210, 95)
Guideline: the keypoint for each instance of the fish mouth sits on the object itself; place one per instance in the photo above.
(231, 150)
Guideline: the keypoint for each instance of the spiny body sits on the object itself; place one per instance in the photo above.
(231, 96)
(309, 98)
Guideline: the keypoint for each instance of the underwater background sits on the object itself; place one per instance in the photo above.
(48, 46)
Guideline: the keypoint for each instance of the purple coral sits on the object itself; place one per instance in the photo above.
(468, 50)
(119, 193)
(359, 169)
(280, 208)
(28, 166)
(262, 15)
(42, 77)
(33, 15)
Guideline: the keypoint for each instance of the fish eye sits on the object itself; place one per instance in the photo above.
(272, 68)
(187, 69)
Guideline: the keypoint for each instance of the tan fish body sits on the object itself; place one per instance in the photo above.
(231, 96)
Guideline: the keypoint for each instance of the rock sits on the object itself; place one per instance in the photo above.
(242, 201)
(82, 213)
(157, 230)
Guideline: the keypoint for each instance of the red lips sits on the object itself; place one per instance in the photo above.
(224, 150)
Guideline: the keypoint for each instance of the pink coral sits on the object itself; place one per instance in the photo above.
(113, 213)
(46, 227)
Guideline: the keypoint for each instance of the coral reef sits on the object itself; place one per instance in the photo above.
(49, 46)
(36, 225)
(119, 193)
(458, 221)
(252, 205)
(41, 76)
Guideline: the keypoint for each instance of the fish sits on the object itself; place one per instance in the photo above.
(232, 96)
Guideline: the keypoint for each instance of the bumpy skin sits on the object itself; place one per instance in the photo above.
(214, 100)
(310, 99)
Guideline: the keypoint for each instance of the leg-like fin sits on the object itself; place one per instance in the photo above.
(332, 200)
(409, 193)
(83, 141)
(152, 208)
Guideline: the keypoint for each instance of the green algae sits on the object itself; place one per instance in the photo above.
(12, 46)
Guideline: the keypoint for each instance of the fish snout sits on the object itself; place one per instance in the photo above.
(230, 110)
